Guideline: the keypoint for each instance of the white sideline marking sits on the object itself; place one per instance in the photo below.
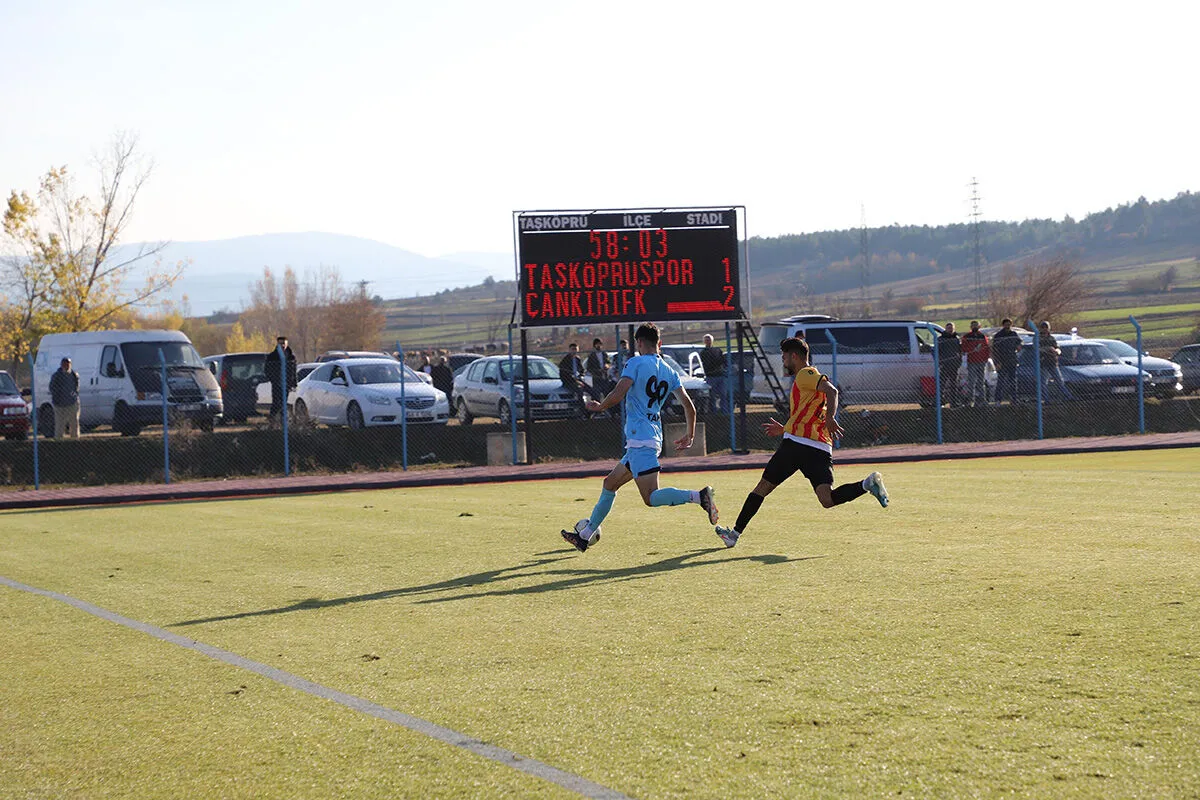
(567, 780)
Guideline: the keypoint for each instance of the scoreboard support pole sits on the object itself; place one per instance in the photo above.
(528, 410)
(745, 448)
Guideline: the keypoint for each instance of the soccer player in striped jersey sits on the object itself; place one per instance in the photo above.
(807, 445)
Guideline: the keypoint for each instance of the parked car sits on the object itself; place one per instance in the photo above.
(880, 361)
(264, 389)
(688, 356)
(1188, 359)
(14, 410)
(459, 360)
(239, 376)
(483, 390)
(364, 392)
(1089, 369)
(335, 355)
(120, 379)
(696, 387)
(1166, 377)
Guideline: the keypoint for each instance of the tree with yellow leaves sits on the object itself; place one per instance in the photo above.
(62, 272)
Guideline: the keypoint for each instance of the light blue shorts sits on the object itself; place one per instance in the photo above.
(641, 461)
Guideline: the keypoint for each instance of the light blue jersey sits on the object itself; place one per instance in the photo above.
(653, 382)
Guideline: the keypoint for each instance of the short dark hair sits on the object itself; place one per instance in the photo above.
(1005, 321)
(794, 344)
(597, 341)
(573, 344)
(647, 332)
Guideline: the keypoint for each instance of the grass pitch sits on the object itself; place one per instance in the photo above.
(1024, 626)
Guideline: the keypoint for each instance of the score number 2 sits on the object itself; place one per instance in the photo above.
(728, 283)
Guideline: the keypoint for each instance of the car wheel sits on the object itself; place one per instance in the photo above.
(464, 414)
(505, 412)
(354, 417)
(300, 413)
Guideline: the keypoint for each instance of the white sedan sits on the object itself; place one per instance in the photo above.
(361, 392)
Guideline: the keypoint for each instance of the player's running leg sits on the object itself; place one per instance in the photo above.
(729, 536)
(587, 531)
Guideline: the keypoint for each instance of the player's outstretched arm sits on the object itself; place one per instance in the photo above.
(614, 397)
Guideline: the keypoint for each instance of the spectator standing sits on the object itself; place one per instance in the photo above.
(570, 370)
(713, 361)
(64, 396)
(277, 371)
(978, 350)
(597, 369)
(443, 376)
(1006, 347)
(426, 365)
(949, 362)
(1048, 352)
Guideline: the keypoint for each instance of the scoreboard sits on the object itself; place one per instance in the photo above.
(578, 268)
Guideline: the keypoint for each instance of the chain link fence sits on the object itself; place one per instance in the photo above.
(351, 415)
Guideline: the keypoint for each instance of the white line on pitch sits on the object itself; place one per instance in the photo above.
(567, 780)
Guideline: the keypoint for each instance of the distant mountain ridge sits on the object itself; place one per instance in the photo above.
(220, 272)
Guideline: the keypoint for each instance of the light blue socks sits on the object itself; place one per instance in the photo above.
(670, 497)
(603, 506)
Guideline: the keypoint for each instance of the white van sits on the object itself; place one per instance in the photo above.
(120, 379)
(878, 360)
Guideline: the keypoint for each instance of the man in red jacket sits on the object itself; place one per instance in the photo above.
(978, 350)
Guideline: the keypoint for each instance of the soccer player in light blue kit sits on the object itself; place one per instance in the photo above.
(646, 383)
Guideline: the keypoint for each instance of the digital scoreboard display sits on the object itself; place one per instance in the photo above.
(579, 268)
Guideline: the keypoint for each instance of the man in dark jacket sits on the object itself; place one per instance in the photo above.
(570, 368)
(1006, 347)
(597, 368)
(64, 396)
(949, 362)
(1048, 352)
(713, 361)
(443, 376)
(275, 370)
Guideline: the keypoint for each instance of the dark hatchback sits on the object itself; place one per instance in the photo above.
(1188, 358)
(14, 411)
(1090, 370)
(239, 375)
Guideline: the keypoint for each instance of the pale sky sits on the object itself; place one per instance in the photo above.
(425, 124)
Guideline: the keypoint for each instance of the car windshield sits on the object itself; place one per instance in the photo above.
(1121, 349)
(7, 386)
(366, 374)
(1087, 354)
(139, 355)
(538, 369)
(673, 364)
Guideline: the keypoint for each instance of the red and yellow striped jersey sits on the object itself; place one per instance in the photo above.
(807, 422)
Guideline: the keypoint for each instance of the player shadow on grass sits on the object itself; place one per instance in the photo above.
(544, 565)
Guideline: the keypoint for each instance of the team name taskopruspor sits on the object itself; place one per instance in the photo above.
(598, 288)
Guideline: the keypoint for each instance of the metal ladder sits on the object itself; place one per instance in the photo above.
(746, 330)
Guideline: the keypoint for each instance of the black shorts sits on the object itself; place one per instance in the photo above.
(792, 457)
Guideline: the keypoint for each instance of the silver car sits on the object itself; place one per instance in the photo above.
(485, 389)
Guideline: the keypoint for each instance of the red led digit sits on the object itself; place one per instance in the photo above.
(614, 246)
(728, 296)
(645, 245)
(597, 244)
(725, 261)
(662, 244)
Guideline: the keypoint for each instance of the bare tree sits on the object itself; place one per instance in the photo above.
(64, 271)
(1038, 290)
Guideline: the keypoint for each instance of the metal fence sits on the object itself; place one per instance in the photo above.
(1084, 389)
